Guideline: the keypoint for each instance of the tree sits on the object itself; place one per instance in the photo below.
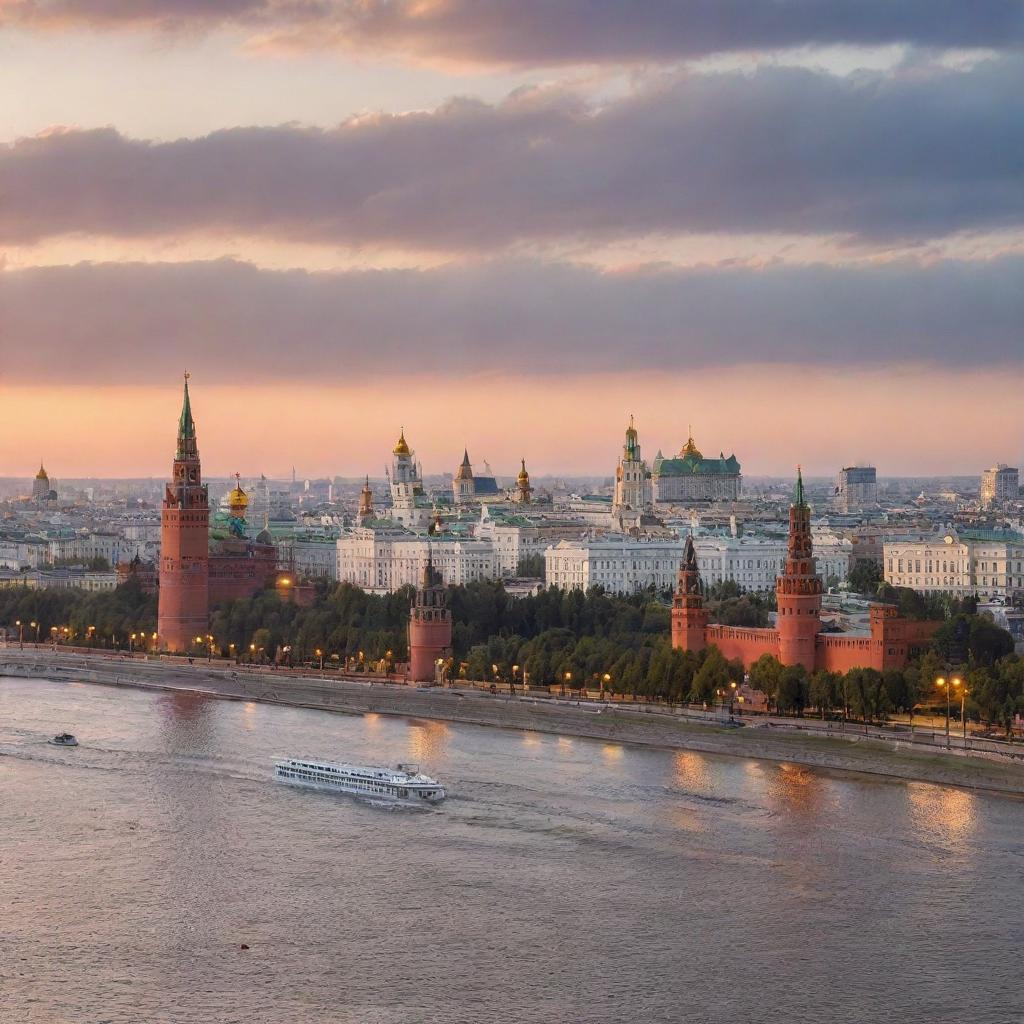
(865, 576)
(713, 675)
(792, 689)
(765, 674)
(824, 692)
(531, 566)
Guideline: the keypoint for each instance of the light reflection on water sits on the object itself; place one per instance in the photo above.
(566, 880)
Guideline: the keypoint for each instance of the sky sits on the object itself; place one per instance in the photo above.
(795, 227)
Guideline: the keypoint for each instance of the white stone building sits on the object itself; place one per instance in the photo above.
(517, 537)
(988, 566)
(386, 558)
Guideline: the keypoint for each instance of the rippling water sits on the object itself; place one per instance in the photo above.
(563, 880)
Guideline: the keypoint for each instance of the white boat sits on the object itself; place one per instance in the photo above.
(64, 739)
(404, 784)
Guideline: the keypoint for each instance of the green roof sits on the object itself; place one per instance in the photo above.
(186, 425)
(690, 465)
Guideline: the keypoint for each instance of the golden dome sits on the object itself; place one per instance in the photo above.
(238, 498)
(402, 446)
(690, 449)
(41, 475)
(523, 477)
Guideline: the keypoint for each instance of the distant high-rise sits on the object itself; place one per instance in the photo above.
(184, 601)
(998, 484)
(856, 488)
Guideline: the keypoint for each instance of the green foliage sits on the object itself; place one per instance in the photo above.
(972, 638)
(792, 692)
(531, 566)
(865, 577)
(115, 613)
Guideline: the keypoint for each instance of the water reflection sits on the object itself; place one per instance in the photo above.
(691, 771)
(949, 815)
(612, 752)
(798, 790)
(428, 741)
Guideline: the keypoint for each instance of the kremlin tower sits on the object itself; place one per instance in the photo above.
(430, 626)
(183, 610)
(689, 616)
(798, 590)
(365, 502)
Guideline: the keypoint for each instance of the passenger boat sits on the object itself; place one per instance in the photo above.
(404, 784)
(64, 739)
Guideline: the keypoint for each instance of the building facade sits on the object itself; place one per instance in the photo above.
(690, 477)
(989, 566)
(384, 557)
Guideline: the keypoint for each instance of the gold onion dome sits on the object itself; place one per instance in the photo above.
(690, 448)
(631, 430)
(402, 446)
(41, 475)
(523, 475)
(238, 497)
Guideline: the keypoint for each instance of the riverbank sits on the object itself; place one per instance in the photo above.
(891, 758)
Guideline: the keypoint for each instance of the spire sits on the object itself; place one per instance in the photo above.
(689, 555)
(186, 425)
(465, 457)
(799, 488)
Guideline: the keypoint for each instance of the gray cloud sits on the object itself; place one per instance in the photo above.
(528, 32)
(912, 155)
(136, 322)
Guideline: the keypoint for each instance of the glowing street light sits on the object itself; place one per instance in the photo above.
(953, 684)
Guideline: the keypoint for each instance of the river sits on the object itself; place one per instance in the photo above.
(563, 880)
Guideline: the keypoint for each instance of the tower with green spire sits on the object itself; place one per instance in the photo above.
(184, 595)
(798, 589)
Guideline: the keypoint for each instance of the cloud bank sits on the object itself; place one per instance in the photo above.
(785, 150)
(542, 32)
(110, 323)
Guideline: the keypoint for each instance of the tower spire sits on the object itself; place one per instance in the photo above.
(799, 488)
(186, 425)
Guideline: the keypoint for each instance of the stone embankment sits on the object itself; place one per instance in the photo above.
(894, 757)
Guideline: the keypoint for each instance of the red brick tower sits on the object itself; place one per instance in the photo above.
(430, 627)
(798, 589)
(183, 609)
(689, 616)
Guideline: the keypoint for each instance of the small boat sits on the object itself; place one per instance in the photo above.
(64, 739)
(404, 784)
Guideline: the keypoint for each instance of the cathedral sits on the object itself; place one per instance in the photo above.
(692, 477)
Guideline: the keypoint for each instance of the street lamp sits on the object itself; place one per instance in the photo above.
(946, 688)
(320, 655)
(21, 633)
(35, 626)
(605, 681)
(567, 678)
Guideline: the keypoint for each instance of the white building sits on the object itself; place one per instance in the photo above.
(309, 557)
(386, 558)
(518, 537)
(633, 497)
(989, 566)
(999, 484)
(624, 565)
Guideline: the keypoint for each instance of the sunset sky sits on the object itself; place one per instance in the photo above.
(507, 225)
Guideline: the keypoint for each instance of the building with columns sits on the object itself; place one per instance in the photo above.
(796, 638)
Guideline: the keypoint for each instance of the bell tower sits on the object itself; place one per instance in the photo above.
(184, 596)
(798, 589)
(689, 616)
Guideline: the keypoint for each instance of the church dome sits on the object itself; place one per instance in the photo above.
(41, 475)
(524, 477)
(690, 449)
(401, 446)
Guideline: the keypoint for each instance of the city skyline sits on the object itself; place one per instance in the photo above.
(346, 217)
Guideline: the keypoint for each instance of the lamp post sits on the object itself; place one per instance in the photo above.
(945, 687)
(567, 678)
(512, 679)
(320, 654)
(35, 626)
(21, 633)
(605, 681)
(732, 697)
(963, 717)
